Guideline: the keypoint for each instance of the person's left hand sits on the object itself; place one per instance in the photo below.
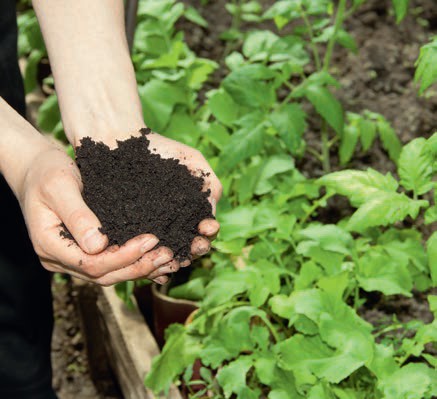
(196, 162)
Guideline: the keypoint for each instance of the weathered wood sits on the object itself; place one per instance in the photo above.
(128, 342)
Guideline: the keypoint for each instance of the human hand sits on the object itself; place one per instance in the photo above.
(197, 164)
(50, 194)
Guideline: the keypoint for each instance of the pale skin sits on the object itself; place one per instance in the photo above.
(98, 97)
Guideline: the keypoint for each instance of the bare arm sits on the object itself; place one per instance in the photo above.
(94, 76)
(96, 86)
(47, 184)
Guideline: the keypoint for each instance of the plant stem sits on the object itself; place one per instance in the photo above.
(326, 160)
(311, 35)
(339, 18)
(316, 204)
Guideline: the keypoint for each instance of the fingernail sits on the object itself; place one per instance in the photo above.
(161, 280)
(161, 260)
(93, 241)
(149, 244)
(203, 250)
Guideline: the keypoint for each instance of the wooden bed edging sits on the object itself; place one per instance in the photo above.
(111, 329)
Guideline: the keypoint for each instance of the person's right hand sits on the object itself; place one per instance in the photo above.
(50, 194)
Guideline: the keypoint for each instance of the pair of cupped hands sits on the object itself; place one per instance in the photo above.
(50, 194)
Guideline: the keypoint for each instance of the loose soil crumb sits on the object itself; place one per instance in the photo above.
(134, 191)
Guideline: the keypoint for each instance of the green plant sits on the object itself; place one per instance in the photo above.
(286, 322)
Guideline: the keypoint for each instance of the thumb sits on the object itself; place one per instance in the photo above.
(80, 221)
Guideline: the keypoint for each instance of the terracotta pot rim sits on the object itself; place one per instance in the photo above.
(156, 290)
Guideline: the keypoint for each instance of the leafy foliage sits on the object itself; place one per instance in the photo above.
(281, 309)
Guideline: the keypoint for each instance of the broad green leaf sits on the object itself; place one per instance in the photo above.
(180, 351)
(181, 127)
(259, 41)
(247, 141)
(273, 166)
(223, 106)
(249, 86)
(232, 377)
(415, 167)
(385, 209)
(125, 291)
(426, 73)
(360, 186)
(289, 121)
(49, 114)
(159, 99)
(327, 106)
(411, 381)
(381, 272)
(310, 355)
(348, 143)
(217, 134)
(401, 9)
(431, 247)
(329, 237)
(389, 139)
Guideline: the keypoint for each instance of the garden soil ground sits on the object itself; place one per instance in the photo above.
(379, 78)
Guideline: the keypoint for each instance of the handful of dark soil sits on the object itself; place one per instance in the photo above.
(134, 191)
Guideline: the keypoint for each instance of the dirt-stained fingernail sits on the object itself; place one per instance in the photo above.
(149, 244)
(161, 280)
(161, 260)
(93, 241)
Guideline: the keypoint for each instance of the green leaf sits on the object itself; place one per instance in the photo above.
(181, 127)
(348, 144)
(49, 114)
(426, 73)
(159, 99)
(367, 133)
(248, 86)
(310, 355)
(290, 123)
(389, 139)
(432, 256)
(223, 107)
(273, 166)
(194, 16)
(259, 41)
(401, 9)
(245, 142)
(385, 209)
(384, 273)
(125, 291)
(327, 106)
(30, 74)
(415, 167)
(413, 380)
(360, 186)
(232, 377)
(180, 351)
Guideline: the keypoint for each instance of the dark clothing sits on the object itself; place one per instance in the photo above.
(26, 318)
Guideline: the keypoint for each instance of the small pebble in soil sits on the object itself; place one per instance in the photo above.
(134, 191)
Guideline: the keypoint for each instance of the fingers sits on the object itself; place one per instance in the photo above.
(200, 246)
(140, 269)
(209, 228)
(112, 259)
(63, 196)
(143, 268)
(171, 267)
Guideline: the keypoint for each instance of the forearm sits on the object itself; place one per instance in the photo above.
(91, 64)
(19, 144)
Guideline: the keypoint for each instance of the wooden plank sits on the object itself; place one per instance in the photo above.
(128, 342)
